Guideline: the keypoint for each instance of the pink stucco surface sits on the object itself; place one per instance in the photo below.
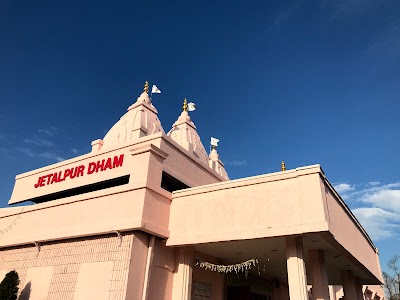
(288, 203)
(214, 279)
(65, 257)
(162, 272)
(255, 207)
(138, 241)
(347, 232)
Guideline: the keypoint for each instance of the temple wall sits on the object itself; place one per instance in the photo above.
(90, 268)
(162, 272)
(350, 236)
(214, 279)
(186, 167)
(248, 208)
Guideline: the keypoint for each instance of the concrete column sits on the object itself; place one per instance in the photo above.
(296, 269)
(358, 288)
(182, 283)
(349, 288)
(319, 277)
(332, 292)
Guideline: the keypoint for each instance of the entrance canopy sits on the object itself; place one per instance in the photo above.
(252, 217)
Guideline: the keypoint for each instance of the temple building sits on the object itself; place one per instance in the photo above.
(151, 215)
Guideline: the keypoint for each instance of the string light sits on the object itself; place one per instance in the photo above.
(9, 227)
(241, 267)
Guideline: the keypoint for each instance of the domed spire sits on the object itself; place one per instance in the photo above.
(216, 164)
(140, 120)
(144, 98)
(184, 133)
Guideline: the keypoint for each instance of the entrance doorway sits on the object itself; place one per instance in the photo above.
(244, 293)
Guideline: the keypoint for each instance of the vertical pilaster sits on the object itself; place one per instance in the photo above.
(319, 277)
(332, 293)
(349, 288)
(296, 269)
(182, 283)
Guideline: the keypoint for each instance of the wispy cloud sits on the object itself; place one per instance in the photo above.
(377, 208)
(379, 223)
(50, 131)
(39, 142)
(384, 48)
(343, 188)
(349, 8)
(237, 163)
(285, 15)
(27, 152)
(75, 151)
(5, 152)
(51, 156)
(44, 155)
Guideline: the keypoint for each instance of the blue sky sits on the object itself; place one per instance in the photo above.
(302, 81)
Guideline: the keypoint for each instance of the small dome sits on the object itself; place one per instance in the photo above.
(140, 120)
(184, 133)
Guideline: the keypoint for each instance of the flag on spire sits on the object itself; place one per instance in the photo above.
(155, 89)
(191, 106)
(214, 142)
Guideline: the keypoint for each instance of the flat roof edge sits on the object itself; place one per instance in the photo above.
(281, 175)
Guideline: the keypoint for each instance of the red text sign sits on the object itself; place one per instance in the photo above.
(71, 173)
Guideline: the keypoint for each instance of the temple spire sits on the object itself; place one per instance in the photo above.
(146, 87)
(185, 105)
(283, 166)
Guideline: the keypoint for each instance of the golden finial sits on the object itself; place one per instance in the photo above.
(146, 87)
(283, 167)
(185, 105)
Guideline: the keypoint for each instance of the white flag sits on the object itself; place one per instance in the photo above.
(155, 89)
(191, 106)
(214, 142)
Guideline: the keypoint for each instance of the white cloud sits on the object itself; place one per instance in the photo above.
(380, 209)
(374, 183)
(75, 151)
(284, 16)
(386, 199)
(237, 163)
(27, 152)
(51, 156)
(39, 142)
(45, 155)
(5, 153)
(379, 224)
(349, 8)
(343, 187)
(50, 131)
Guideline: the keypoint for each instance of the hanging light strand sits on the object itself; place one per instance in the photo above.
(241, 267)
(9, 227)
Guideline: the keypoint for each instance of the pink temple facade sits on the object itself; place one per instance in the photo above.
(151, 215)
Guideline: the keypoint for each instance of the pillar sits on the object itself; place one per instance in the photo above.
(182, 283)
(296, 269)
(358, 288)
(332, 292)
(319, 277)
(349, 288)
